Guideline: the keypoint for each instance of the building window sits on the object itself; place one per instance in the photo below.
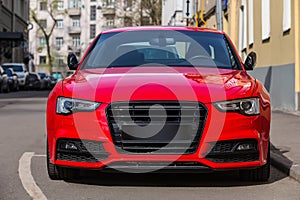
(128, 3)
(43, 59)
(93, 0)
(146, 21)
(76, 42)
(265, 19)
(243, 27)
(250, 22)
(108, 3)
(43, 23)
(59, 41)
(60, 5)
(110, 22)
(59, 60)
(42, 41)
(93, 13)
(127, 21)
(286, 21)
(43, 5)
(74, 3)
(60, 23)
(92, 31)
(76, 22)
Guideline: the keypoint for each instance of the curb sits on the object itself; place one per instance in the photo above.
(284, 164)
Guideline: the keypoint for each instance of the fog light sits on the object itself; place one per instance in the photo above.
(69, 146)
(245, 147)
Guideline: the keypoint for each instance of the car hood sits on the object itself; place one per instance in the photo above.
(158, 83)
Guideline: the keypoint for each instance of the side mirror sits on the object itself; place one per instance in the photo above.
(250, 61)
(72, 61)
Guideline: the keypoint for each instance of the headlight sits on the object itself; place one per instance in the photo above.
(67, 106)
(244, 106)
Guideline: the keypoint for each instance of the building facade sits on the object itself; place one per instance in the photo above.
(272, 30)
(78, 22)
(14, 16)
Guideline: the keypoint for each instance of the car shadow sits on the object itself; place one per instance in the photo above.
(215, 179)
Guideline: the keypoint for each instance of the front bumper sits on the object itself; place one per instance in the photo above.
(22, 81)
(95, 127)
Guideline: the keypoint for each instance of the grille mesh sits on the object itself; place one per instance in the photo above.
(87, 151)
(226, 151)
(180, 126)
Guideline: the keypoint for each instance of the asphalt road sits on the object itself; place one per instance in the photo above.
(22, 129)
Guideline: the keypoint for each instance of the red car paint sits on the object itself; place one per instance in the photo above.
(205, 85)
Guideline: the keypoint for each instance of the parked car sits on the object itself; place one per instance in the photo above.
(4, 86)
(20, 70)
(12, 79)
(34, 81)
(57, 76)
(194, 112)
(52, 81)
(45, 80)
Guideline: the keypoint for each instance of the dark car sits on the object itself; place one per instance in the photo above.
(12, 79)
(45, 81)
(34, 81)
(4, 86)
(53, 81)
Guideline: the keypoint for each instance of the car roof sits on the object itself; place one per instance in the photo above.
(172, 28)
(13, 64)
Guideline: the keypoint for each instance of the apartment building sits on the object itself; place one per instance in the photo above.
(14, 15)
(78, 22)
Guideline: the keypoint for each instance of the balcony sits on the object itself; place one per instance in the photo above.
(74, 11)
(74, 30)
(104, 28)
(75, 49)
(108, 10)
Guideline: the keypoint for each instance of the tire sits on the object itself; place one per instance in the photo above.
(1, 88)
(59, 173)
(54, 172)
(260, 174)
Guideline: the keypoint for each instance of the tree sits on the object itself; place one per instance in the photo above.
(153, 8)
(51, 7)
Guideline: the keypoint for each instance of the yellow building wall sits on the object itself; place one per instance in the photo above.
(279, 49)
(297, 48)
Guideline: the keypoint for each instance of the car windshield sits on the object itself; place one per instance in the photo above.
(161, 47)
(32, 76)
(16, 68)
(42, 75)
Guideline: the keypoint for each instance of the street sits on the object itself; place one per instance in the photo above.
(23, 168)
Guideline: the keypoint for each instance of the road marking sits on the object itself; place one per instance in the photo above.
(27, 179)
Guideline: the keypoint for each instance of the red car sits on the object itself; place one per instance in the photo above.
(161, 99)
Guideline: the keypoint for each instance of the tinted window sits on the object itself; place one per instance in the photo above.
(8, 72)
(42, 75)
(16, 68)
(172, 48)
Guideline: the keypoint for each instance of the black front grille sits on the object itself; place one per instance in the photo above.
(156, 127)
(226, 151)
(87, 151)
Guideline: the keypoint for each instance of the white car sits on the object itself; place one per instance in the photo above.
(20, 70)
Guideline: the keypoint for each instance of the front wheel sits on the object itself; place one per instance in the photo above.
(54, 172)
(59, 173)
(260, 174)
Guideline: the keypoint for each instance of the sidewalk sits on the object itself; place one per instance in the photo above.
(285, 139)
